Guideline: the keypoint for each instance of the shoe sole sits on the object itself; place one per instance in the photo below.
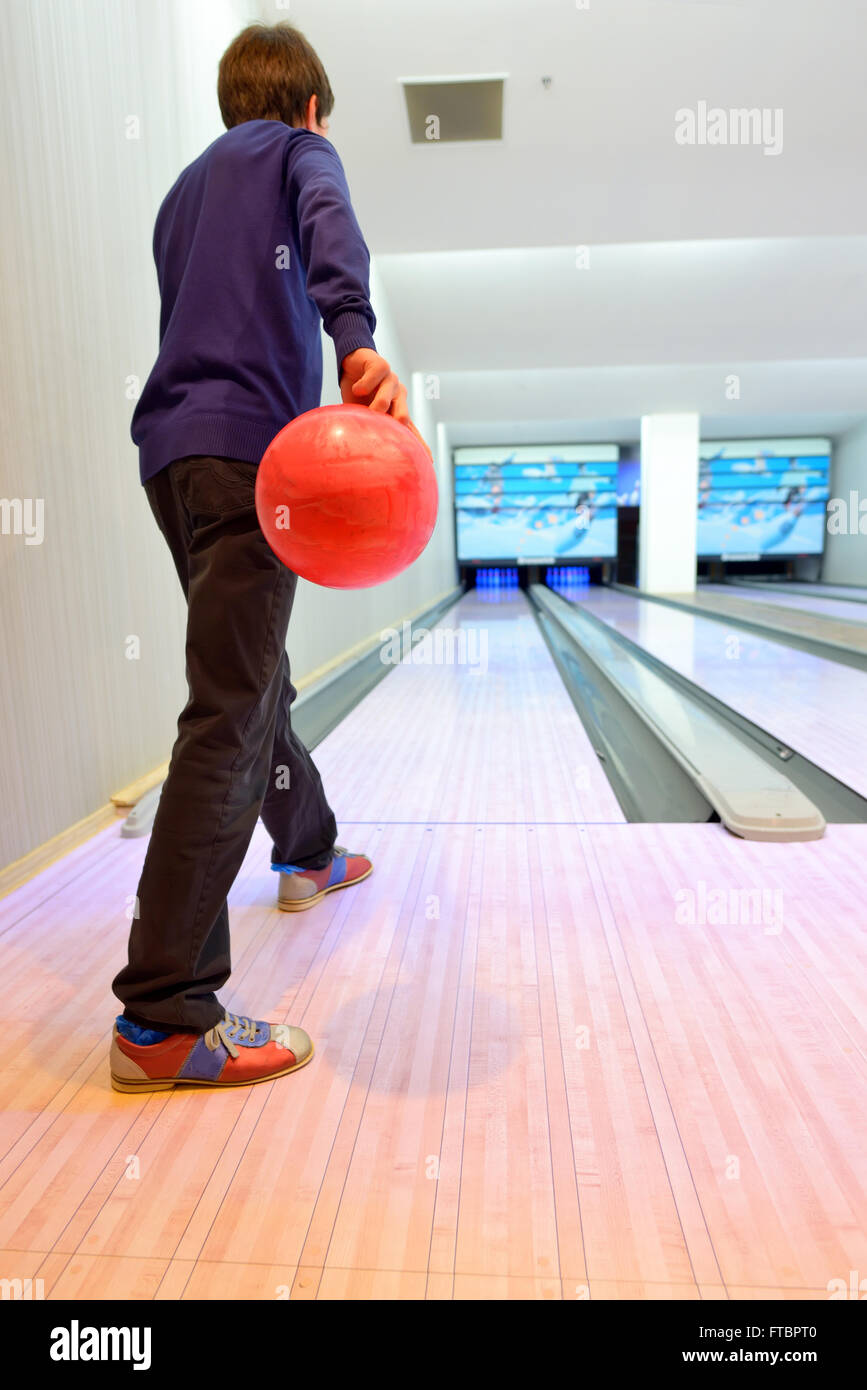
(168, 1084)
(303, 903)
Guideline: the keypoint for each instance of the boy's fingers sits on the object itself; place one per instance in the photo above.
(370, 378)
(420, 438)
(391, 399)
(399, 407)
(386, 394)
(364, 384)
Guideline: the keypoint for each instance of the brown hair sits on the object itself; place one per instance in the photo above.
(269, 73)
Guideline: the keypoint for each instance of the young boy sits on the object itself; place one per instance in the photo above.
(256, 240)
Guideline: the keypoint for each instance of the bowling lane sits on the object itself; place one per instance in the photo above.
(779, 617)
(497, 714)
(823, 607)
(855, 593)
(815, 706)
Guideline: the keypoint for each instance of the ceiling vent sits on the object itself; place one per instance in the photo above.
(442, 110)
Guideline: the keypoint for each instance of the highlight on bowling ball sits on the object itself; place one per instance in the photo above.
(346, 496)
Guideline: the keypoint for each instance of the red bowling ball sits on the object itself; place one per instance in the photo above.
(346, 496)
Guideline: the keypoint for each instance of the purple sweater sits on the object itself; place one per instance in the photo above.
(256, 240)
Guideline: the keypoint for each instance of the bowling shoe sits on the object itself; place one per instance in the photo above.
(301, 888)
(235, 1052)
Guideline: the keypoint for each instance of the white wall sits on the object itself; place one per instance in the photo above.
(78, 320)
(846, 554)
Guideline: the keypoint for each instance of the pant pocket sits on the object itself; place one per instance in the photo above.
(211, 488)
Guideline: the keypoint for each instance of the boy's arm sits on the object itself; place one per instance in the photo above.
(335, 255)
(337, 263)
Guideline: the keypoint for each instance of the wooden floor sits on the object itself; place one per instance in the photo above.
(545, 1068)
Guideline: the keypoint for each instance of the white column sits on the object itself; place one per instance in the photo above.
(669, 503)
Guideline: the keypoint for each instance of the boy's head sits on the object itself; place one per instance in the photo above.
(271, 73)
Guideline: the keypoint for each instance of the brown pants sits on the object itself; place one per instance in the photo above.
(235, 757)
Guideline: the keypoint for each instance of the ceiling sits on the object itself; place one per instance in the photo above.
(700, 261)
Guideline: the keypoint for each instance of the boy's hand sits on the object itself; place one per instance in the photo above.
(367, 379)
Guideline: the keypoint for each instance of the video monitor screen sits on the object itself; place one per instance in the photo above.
(536, 504)
(762, 497)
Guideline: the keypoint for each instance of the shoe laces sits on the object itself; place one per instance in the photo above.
(244, 1030)
(241, 1029)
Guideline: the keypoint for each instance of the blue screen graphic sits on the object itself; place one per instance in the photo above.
(547, 507)
(767, 501)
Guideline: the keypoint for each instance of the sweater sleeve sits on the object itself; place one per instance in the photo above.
(335, 255)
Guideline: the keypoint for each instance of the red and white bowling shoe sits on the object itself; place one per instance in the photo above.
(235, 1052)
